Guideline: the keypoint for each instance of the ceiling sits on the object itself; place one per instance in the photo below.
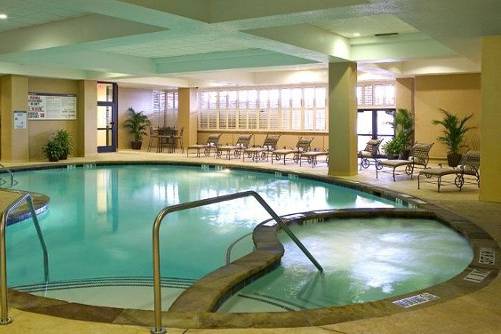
(126, 39)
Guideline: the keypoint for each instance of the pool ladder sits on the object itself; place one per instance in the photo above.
(14, 204)
(159, 329)
(13, 182)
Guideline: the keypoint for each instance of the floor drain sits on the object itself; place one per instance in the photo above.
(415, 300)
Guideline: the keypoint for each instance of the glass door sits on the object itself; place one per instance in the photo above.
(107, 115)
(375, 124)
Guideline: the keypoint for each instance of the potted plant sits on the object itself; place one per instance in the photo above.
(403, 124)
(64, 138)
(52, 150)
(454, 130)
(393, 147)
(137, 123)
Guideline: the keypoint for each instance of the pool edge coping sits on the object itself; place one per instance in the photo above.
(315, 317)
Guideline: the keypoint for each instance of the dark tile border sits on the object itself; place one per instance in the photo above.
(194, 309)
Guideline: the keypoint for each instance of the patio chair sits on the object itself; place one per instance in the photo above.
(262, 152)
(420, 156)
(370, 152)
(468, 166)
(211, 144)
(303, 145)
(236, 150)
(153, 135)
(312, 157)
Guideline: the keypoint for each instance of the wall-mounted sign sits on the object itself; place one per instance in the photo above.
(20, 120)
(52, 106)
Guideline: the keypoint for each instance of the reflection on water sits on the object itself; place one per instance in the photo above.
(364, 260)
(99, 220)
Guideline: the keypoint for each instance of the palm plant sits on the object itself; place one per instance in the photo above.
(137, 123)
(403, 124)
(454, 132)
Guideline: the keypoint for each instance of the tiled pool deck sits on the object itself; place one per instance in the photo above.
(478, 312)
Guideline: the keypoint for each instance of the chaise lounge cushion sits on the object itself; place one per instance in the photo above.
(395, 163)
(438, 171)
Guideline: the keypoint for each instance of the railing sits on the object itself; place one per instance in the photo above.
(158, 329)
(233, 244)
(11, 175)
(23, 196)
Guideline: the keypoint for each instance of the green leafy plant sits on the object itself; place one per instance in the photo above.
(64, 138)
(454, 130)
(53, 150)
(394, 146)
(403, 124)
(137, 123)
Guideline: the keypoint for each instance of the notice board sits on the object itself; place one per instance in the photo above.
(43, 106)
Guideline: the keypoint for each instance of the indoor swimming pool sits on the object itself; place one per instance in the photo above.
(98, 234)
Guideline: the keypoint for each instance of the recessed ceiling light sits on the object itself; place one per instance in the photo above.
(356, 34)
(3, 16)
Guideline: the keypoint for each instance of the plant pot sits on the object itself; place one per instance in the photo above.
(53, 159)
(391, 156)
(63, 156)
(404, 155)
(454, 158)
(136, 145)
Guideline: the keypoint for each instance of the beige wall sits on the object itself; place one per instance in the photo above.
(458, 94)
(140, 100)
(40, 131)
(491, 118)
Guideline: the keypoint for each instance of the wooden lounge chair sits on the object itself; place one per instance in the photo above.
(420, 156)
(262, 153)
(469, 166)
(236, 150)
(312, 157)
(211, 144)
(303, 145)
(370, 152)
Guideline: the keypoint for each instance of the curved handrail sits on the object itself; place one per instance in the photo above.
(23, 196)
(230, 247)
(158, 329)
(12, 181)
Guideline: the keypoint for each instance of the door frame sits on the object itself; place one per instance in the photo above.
(114, 118)
(375, 134)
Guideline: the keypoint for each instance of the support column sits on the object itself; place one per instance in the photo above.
(342, 119)
(490, 135)
(187, 117)
(14, 97)
(87, 117)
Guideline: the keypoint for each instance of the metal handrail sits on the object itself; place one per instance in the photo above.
(158, 329)
(230, 247)
(12, 181)
(24, 196)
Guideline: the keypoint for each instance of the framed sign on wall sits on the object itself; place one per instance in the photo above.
(43, 106)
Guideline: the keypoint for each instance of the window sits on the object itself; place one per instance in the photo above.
(165, 107)
(376, 94)
(376, 111)
(276, 108)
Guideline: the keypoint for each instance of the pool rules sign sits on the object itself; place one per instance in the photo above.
(52, 106)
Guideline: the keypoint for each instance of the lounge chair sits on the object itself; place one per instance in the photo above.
(211, 144)
(420, 156)
(312, 157)
(468, 166)
(262, 153)
(303, 145)
(370, 152)
(235, 150)
(153, 135)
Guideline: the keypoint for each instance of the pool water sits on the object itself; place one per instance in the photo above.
(364, 260)
(98, 226)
